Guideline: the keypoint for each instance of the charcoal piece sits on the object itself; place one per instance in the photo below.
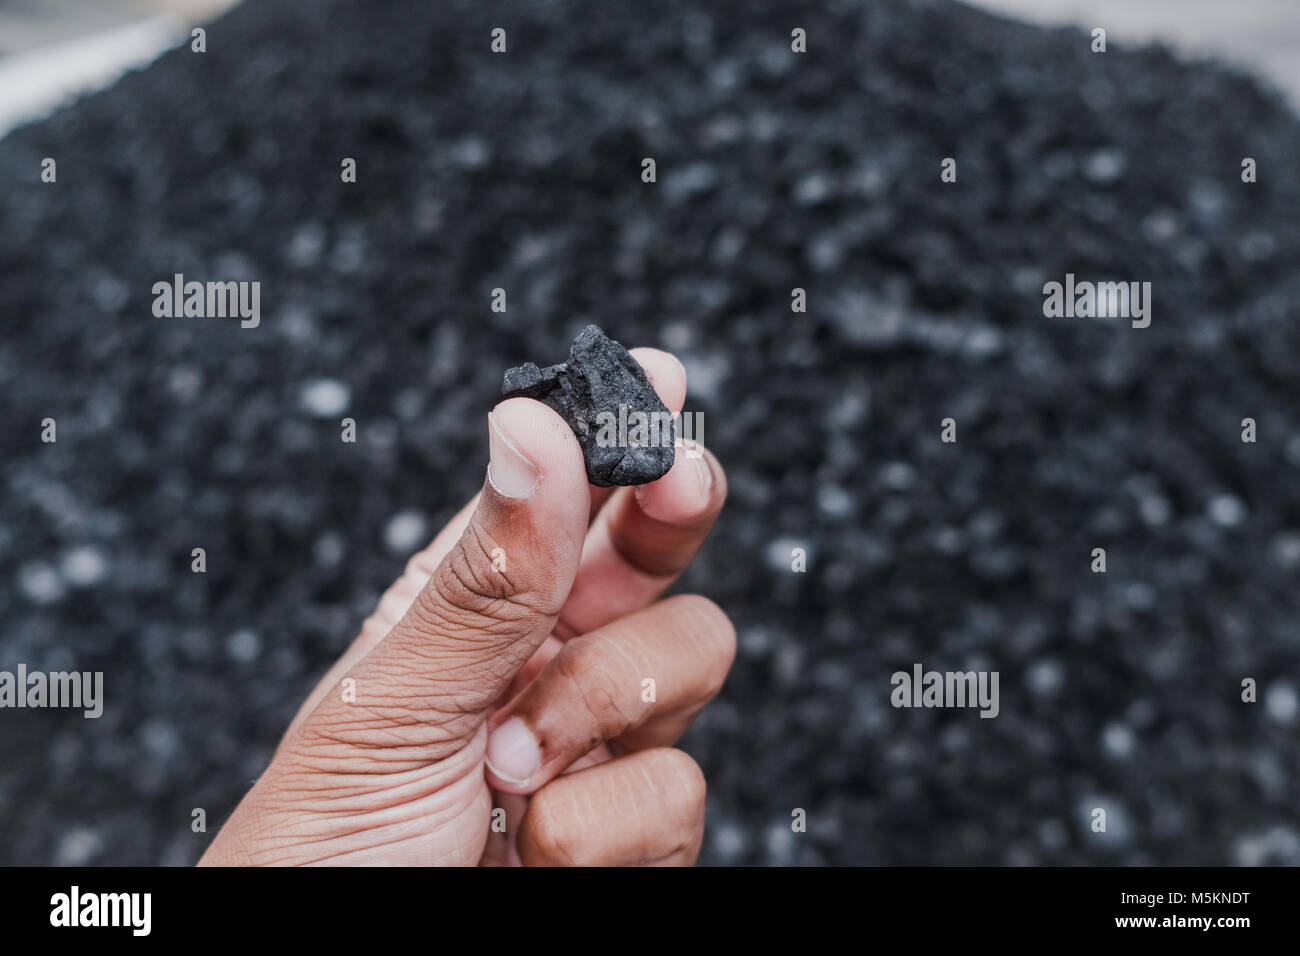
(625, 431)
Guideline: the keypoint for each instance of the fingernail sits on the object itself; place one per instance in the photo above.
(512, 752)
(509, 471)
(705, 472)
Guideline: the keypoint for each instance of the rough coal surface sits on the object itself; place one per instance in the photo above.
(775, 170)
(598, 391)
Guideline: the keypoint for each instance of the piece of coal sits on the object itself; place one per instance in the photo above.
(625, 431)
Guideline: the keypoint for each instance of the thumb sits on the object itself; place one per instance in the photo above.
(486, 608)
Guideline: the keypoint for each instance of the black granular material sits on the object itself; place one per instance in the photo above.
(775, 171)
(625, 431)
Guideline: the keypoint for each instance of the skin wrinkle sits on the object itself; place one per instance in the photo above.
(354, 782)
(694, 789)
(424, 781)
(590, 810)
(709, 631)
(652, 785)
(324, 769)
(402, 852)
(407, 687)
(372, 727)
(307, 832)
(458, 666)
(607, 644)
(517, 516)
(325, 821)
(688, 793)
(468, 558)
(636, 795)
(318, 742)
(542, 831)
(616, 657)
(664, 795)
(598, 689)
(399, 809)
(426, 801)
(380, 841)
(459, 606)
(381, 727)
(419, 707)
(626, 718)
(442, 656)
(365, 763)
(696, 639)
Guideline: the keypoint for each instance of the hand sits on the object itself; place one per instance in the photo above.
(508, 668)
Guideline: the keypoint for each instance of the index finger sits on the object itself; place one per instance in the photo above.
(642, 541)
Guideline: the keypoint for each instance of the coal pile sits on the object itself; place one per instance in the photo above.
(775, 171)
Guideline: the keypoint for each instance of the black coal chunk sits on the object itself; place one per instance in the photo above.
(625, 431)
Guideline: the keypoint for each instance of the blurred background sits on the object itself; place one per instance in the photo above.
(52, 50)
(819, 171)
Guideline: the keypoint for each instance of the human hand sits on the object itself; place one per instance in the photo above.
(506, 669)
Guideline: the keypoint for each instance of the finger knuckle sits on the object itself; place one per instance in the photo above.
(543, 836)
(610, 703)
(467, 591)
